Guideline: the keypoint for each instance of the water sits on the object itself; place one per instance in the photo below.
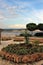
(15, 32)
(10, 33)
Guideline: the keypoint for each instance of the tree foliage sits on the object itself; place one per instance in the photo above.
(40, 26)
(31, 26)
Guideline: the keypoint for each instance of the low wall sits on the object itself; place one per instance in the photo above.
(22, 58)
(31, 39)
(22, 39)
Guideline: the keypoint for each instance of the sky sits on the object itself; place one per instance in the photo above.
(18, 13)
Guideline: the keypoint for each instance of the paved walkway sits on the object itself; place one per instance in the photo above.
(5, 43)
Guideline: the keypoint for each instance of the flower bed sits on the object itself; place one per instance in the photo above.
(22, 53)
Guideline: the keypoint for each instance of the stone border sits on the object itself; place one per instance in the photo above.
(22, 58)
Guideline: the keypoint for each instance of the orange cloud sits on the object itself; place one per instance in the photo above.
(18, 26)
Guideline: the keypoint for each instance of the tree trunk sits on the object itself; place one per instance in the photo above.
(0, 37)
(32, 33)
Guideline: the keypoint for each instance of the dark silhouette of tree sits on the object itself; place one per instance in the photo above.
(26, 37)
(40, 26)
(0, 34)
(31, 27)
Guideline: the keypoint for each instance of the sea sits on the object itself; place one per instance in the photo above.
(16, 32)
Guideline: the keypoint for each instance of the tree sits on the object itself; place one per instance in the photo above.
(40, 26)
(0, 34)
(26, 37)
(31, 27)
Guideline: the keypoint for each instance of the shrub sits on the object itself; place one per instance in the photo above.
(39, 34)
(36, 43)
(22, 51)
(28, 35)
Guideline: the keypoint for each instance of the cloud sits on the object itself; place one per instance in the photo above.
(2, 25)
(28, 19)
(8, 10)
(38, 15)
(16, 10)
(17, 26)
(2, 16)
(13, 11)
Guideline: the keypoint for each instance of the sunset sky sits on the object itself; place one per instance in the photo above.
(17, 13)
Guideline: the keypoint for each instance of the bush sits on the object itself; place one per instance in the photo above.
(36, 43)
(27, 35)
(10, 48)
(40, 34)
(22, 51)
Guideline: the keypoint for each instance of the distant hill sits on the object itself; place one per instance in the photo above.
(12, 29)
